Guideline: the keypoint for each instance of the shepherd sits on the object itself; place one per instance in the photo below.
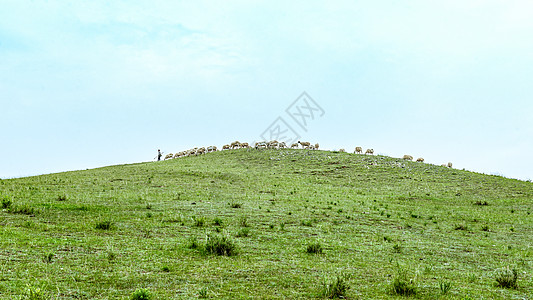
(159, 154)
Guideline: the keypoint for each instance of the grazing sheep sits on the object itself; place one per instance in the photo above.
(358, 150)
(450, 165)
(420, 159)
(211, 148)
(235, 145)
(317, 146)
(342, 150)
(295, 145)
(443, 165)
(273, 144)
(226, 147)
(200, 151)
(245, 145)
(261, 145)
(282, 145)
(169, 156)
(407, 157)
(369, 151)
(304, 144)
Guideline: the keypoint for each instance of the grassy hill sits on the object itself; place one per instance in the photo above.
(292, 223)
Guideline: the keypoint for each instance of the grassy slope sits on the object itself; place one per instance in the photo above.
(372, 215)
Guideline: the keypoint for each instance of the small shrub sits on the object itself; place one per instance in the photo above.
(6, 202)
(460, 227)
(445, 287)
(220, 245)
(23, 210)
(397, 248)
(104, 225)
(402, 285)
(481, 203)
(314, 248)
(217, 221)
(141, 294)
(243, 222)
(308, 223)
(506, 277)
(199, 221)
(111, 255)
(243, 232)
(61, 198)
(193, 243)
(235, 205)
(335, 289)
(203, 293)
(387, 239)
(485, 228)
(165, 269)
(148, 206)
(35, 293)
(48, 257)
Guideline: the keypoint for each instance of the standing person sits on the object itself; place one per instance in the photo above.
(159, 154)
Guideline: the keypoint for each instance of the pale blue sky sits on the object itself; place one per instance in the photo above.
(93, 83)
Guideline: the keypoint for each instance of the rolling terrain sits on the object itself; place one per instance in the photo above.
(293, 224)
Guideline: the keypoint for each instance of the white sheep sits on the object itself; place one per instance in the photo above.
(304, 144)
(273, 144)
(235, 145)
(317, 146)
(295, 145)
(369, 151)
(169, 156)
(282, 145)
(450, 164)
(407, 157)
(261, 145)
(245, 145)
(226, 147)
(420, 159)
(342, 150)
(358, 150)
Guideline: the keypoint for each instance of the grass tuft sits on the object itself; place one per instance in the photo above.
(104, 225)
(506, 277)
(402, 284)
(445, 287)
(141, 294)
(314, 248)
(220, 245)
(335, 289)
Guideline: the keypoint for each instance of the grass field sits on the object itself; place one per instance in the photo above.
(267, 224)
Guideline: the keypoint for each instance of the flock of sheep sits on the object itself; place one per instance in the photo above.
(275, 145)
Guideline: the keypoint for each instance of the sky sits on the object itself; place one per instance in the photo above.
(85, 84)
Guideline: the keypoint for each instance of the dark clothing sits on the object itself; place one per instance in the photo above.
(159, 155)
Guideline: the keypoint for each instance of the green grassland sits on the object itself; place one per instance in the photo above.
(379, 223)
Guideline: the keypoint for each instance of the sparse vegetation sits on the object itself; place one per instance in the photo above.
(368, 212)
